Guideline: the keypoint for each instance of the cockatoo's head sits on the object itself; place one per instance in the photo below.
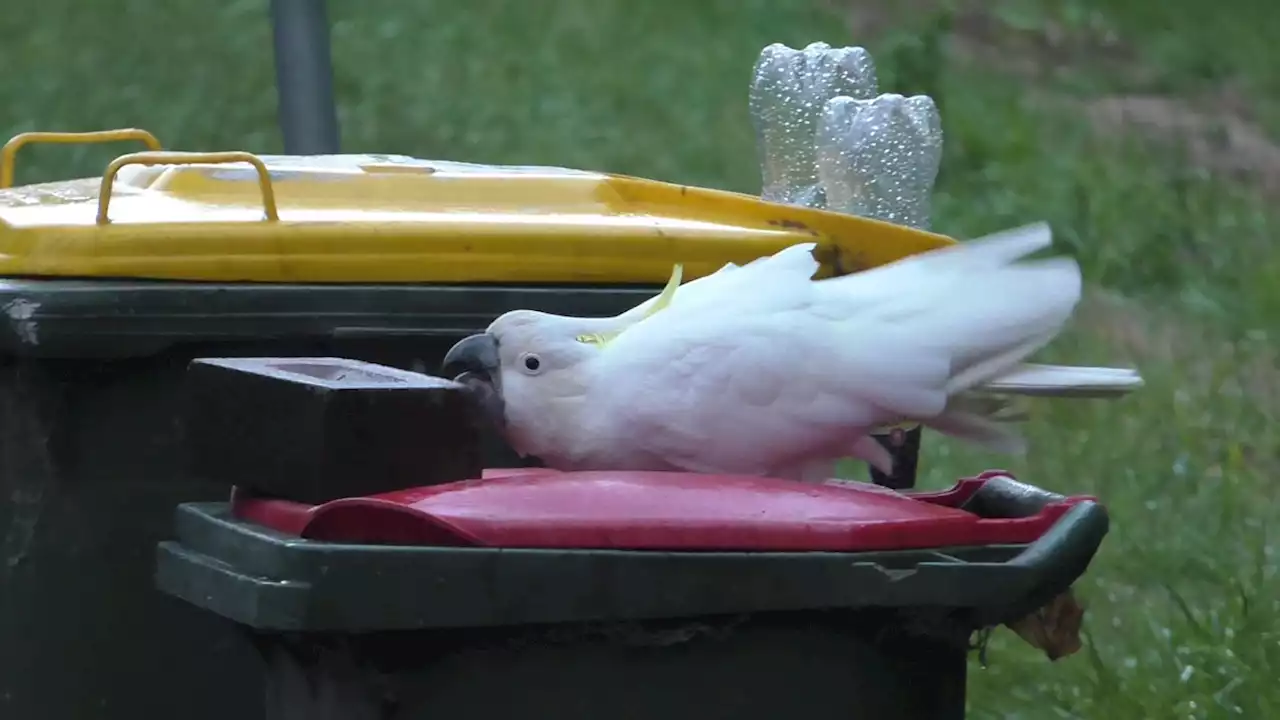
(529, 373)
(529, 369)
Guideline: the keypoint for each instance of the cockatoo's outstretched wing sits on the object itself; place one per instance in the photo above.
(796, 369)
(1065, 381)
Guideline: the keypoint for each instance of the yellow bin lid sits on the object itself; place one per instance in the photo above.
(235, 216)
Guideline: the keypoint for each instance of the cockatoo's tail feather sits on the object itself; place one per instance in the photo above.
(1065, 381)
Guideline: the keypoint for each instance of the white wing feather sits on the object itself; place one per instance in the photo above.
(797, 261)
(795, 370)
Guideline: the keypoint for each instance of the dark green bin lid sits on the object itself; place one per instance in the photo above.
(127, 318)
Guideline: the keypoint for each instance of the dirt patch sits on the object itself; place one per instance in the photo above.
(1222, 141)
(1041, 51)
(976, 34)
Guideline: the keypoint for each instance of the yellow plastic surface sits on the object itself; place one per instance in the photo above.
(388, 219)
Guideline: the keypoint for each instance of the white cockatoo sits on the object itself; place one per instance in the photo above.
(761, 370)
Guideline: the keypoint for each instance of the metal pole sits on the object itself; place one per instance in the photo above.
(304, 77)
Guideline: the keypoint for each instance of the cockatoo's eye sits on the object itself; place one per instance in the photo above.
(531, 363)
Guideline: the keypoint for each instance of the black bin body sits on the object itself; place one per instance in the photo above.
(91, 467)
(763, 667)
(398, 632)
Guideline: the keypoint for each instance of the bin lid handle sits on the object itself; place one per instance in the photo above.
(9, 152)
(188, 158)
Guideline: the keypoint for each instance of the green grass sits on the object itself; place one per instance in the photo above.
(1183, 617)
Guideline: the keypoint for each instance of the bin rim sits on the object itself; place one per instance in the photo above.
(273, 581)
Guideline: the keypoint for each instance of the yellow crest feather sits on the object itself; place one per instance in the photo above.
(660, 304)
(668, 292)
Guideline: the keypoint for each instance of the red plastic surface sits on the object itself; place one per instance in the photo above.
(534, 508)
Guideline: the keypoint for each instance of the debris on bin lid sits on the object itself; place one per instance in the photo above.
(538, 508)
(1054, 628)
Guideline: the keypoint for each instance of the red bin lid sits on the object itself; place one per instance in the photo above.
(537, 508)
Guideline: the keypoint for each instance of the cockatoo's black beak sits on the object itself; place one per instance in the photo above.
(474, 354)
(474, 363)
